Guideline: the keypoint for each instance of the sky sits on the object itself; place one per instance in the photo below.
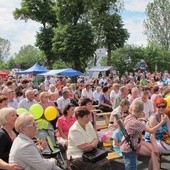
(21, 33)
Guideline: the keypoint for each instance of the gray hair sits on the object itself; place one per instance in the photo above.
(4, 112)
(22, 121)
(136, 107)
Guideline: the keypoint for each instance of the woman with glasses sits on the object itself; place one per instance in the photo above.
(44, 100)
(154, 119)
(24, 151)
(135, 125)
(7, 135)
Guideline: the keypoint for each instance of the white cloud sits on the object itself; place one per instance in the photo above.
(136, 5)
(135, 9)
(18, 32)
(136, 31)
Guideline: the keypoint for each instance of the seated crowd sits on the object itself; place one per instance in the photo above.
(139, 101)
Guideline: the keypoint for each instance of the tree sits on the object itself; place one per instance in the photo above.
(41, 11)
(157, 22)
(114, 35)
(27, 56)
(37, 10)
(74, 45)
(73, 42)
(108, 25)
(4, 48)
(44, 42)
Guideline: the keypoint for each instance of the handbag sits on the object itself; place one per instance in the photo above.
(94, 155)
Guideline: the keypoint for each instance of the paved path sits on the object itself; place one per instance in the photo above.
(142, 163)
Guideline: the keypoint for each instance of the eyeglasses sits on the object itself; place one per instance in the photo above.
(161, 106)
(32, 125)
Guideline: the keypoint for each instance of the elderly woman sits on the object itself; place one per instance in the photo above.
(7, 135)
(44, 100)
(154, 120)
(24, 151)
(81, 138)
(134, 126)
(64, 123)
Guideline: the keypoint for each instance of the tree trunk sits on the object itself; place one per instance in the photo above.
(109, 51)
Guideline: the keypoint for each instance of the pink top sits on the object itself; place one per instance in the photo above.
(153, 99)
(64, 124)
(134, 128)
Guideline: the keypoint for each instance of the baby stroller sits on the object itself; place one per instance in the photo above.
(47, 133)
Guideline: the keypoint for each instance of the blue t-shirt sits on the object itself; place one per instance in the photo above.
(118, 136)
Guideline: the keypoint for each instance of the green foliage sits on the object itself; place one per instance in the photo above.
(108, 26)
(44, 42)
(3, 65)
(41, 11)
(127, 57)
(27, 56)
(37, 10)
(157, 22)
(4, 49)
(74, 44)
(11, 63)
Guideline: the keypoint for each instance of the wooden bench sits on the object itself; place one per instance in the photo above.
(106, 115)
(108, 144)
(95, 106)
(113, 155)
(96, 110)
(101, 127)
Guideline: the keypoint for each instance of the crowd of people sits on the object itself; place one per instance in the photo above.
(138, 99)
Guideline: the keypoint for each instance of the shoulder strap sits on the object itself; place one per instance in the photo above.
(124, 132)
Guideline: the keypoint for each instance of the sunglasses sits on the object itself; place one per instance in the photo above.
(161, 106)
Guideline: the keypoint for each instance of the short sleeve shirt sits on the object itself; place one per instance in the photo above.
(134, 128)
(64, 124)
(77, 136)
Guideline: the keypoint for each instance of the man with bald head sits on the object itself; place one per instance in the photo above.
(28, 101)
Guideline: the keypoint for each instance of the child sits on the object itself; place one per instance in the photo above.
(117, 137)
(134, 128)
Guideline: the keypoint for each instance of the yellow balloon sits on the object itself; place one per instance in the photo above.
(37, 111)
(168, 100)
(21, 110)
(50, 113)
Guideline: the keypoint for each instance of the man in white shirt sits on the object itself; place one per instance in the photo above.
(96, 94)
(87, 92)
(114, 92)
(47, 83)
(63, 101)
(28, 101)
(148, 105)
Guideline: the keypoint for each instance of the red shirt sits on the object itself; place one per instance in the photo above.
(64, 124)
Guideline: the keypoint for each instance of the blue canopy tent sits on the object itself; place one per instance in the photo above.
(65, 72)
(35, 69)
